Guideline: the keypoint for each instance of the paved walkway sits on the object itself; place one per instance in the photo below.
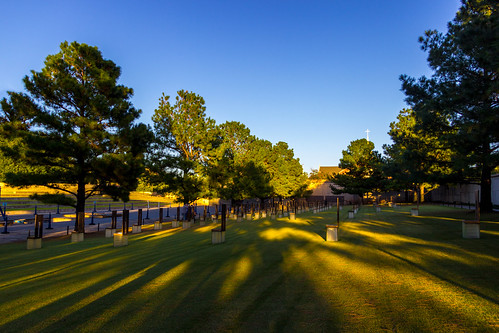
(102, 220)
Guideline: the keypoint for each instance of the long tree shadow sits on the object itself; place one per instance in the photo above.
(269, 275)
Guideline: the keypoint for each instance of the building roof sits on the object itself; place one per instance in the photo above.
(330, 170)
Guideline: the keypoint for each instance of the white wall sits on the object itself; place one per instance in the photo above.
(464, 193)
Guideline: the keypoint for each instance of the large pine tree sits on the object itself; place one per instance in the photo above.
(76, 125)
(462, 95)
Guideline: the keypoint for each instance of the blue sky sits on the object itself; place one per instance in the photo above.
(315, 74)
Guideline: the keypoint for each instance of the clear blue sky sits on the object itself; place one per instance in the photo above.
(315, 74)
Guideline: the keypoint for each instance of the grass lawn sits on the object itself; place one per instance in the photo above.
(388, 272)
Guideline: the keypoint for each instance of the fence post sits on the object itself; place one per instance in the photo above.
(50, 222)
(4, 215)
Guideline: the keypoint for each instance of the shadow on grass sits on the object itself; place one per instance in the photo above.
(385, 274)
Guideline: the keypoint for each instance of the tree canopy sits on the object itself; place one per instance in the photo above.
(184, 138)
(461, 96)
(75, 123)
(287, 176)
(416, 157)
(364, 170)
(232, 169)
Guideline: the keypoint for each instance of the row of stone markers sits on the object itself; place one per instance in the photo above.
(35, 242)
(190, 216)
(351, 213)
(321, 206)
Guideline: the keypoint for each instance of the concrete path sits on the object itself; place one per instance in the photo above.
(19, 232)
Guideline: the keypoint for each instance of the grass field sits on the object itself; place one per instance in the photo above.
(388, 272)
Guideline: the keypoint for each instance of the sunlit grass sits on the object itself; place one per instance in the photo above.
(388, 272)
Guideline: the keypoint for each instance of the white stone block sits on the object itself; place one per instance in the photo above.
(77, 237)
(120, 239)
(471, 229)
(217, 236)
(110, 232)
(34, 243)
(331, 233)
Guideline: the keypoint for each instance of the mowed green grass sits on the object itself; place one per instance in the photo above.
(388, 272)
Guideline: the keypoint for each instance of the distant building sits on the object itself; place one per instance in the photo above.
(330, 170)
(322, 188)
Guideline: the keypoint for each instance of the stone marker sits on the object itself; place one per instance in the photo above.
(414, 212)
(137, 228)
(125, 225)
(36, 241)
(218, 235)
(121, 238)
(471, 229)
(33, 243)
(331, 233)
(110, 231)
(158, 225)
(79, 234)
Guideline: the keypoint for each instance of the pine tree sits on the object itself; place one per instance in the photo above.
(462, 95)
(76, 126)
